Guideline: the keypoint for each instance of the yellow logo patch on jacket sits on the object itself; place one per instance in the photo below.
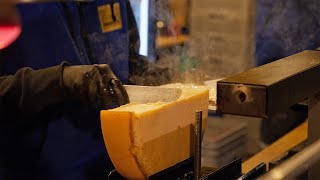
(110, 17)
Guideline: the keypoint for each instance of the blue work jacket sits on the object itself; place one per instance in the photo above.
(285, 28)
(65, 140)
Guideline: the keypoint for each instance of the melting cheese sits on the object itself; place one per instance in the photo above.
(143, 139)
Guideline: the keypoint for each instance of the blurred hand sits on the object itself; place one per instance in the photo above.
(95, 85)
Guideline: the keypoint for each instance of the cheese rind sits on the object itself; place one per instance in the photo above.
(119, 142)
(143, 139)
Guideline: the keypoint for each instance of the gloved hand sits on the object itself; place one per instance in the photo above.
(95, 85)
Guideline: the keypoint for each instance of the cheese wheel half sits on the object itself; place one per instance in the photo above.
(143, 139)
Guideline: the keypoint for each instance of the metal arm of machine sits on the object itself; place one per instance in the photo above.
(270, 88)
(273, 88)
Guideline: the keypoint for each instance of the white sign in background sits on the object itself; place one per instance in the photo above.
(222, 35)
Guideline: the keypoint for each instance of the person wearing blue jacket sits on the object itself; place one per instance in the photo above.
(284, 28)
(68, 63)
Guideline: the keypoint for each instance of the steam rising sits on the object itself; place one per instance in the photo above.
(179, 59)
(221, 40)
(209, 53)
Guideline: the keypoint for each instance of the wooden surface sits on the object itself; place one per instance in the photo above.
(165, 42)
(278, 148)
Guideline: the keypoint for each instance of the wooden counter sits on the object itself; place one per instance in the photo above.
(278, 148)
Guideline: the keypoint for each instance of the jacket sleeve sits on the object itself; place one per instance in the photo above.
(30, 91)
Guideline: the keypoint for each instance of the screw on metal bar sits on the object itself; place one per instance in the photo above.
(197, 149)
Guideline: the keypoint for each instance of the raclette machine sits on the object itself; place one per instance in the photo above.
(273, 88)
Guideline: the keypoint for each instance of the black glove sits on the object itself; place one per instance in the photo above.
(95, 85)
